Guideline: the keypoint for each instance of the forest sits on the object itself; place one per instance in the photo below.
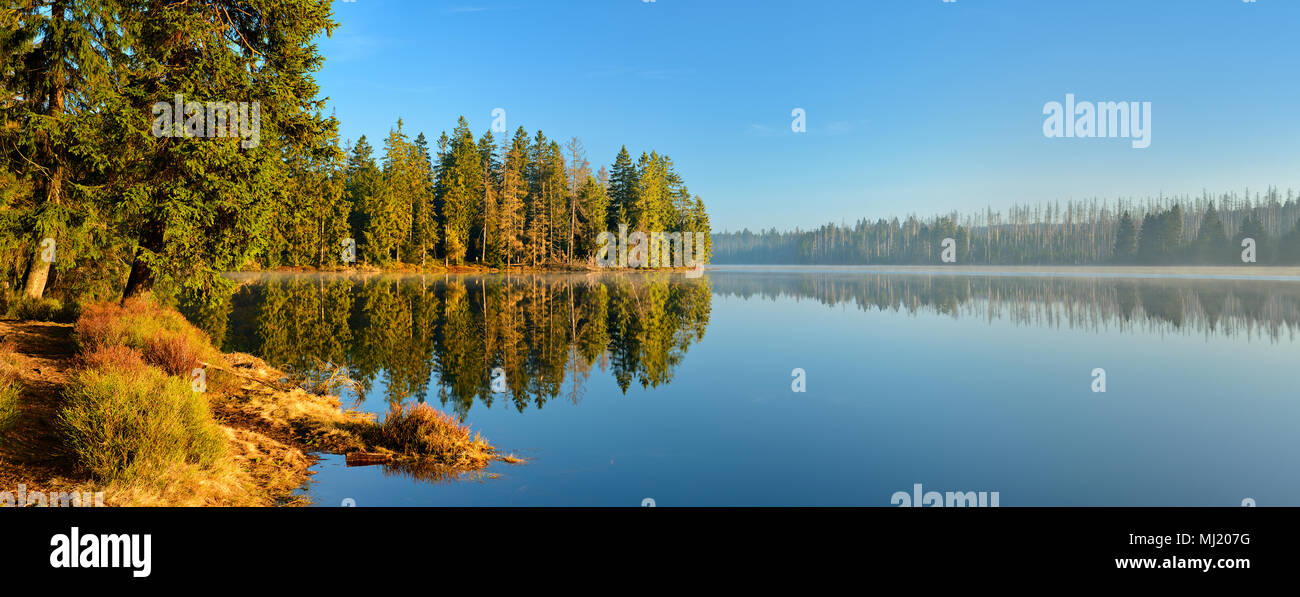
(95, 204)
(1202, 230)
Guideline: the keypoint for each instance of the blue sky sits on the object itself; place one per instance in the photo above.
(913, 106)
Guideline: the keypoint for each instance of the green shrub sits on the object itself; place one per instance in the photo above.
(42, 309)
(128, 423)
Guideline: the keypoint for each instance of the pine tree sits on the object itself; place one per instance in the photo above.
(363, 180)
(489, 219)
(424, 223)
(623, 185)
(1126, 239)
(460, 185)
(538, 226)
(556, 197)
(594, 211)
(514, 191)
(653, 205)
(1211, 245)
(392, 208)
(579, 171)
(58, 61)
(196, 207)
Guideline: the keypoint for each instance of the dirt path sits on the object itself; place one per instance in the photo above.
(42, 354)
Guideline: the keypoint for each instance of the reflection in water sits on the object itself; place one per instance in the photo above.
(439, 339)
(404, 333)
(1213, 307)
(398, 335)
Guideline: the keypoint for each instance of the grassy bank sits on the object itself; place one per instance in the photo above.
(148, 411)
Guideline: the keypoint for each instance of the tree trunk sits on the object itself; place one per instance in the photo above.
(140, 281)
(37, 275)
(51, 187)
(142, 276)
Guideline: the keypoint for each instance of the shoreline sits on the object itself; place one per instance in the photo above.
(378, 272)
(272, 427)
(460, 269)
(1208, 272)
(1188, 272)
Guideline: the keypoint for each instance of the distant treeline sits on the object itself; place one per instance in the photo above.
(120, 167)
(1167, 231)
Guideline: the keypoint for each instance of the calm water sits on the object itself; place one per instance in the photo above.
(622, 388)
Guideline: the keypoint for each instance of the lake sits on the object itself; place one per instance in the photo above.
(625, 387)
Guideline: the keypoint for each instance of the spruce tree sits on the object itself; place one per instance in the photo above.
(61, 62)
(195, 207)
(1126, 239)
(623, 184)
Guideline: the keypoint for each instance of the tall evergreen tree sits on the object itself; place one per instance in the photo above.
(392, 208)
(461, 191)
(514, 193)
(196, 207)
(423, 239)
(488, 217)
(363, 180)
(623, 186)
(1211, 245)
(62, 61)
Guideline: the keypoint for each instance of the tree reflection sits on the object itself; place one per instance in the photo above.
(397, 336)
(1212, 307)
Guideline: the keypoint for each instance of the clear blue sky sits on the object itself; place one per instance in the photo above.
(912, 105)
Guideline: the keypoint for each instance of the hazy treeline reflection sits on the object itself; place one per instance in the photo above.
(414, 333)
(1213, 307)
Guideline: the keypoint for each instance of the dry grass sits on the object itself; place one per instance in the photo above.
(421, 432)
(164, 336)
(172, 353)
(11, 388)
(132, 426)
(259, 401)
(122, 358)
